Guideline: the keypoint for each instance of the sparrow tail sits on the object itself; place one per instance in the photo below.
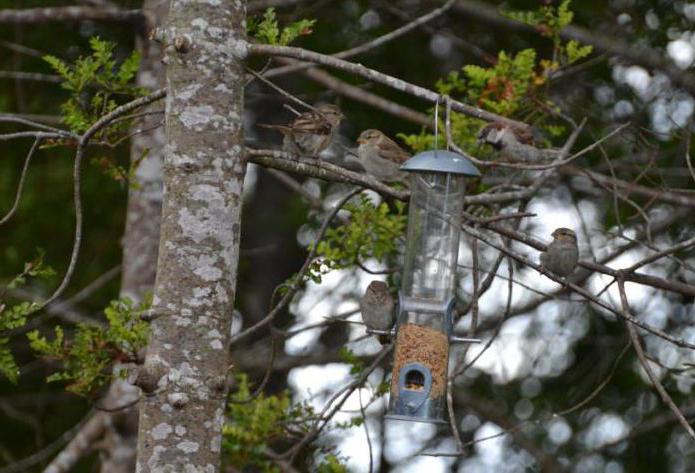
(282, 128)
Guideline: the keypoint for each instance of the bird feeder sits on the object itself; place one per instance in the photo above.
(424, 329)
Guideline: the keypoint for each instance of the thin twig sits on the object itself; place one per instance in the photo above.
(375, 43)
(645, 363)
(296, 284)
(77, 200)
(373, 75)
(580, 290)
(366, 432)
(20, 186)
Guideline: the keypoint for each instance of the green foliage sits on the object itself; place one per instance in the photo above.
(349, 357)
(514, 86)
(254, 425)
(506, 88)
(267, 30)
(331, 464)
(549, 20)
(35, 268)
(372, 232)
(8, 365)
(94, 83)
(257, 424)
(576, 51)
(15, 316)
(86, 358)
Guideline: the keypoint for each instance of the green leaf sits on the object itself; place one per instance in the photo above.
(8, 367)
(267, 29)
(349, 357)
(576, 51)
(87, 357)
(129, 68)
(93, 81)
(295, 30)
(372, 232)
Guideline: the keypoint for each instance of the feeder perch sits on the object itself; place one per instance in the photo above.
(426, 299)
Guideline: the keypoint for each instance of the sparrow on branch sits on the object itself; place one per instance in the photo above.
(561, 256)
(380, 156)
(516, 144)
(310, 132)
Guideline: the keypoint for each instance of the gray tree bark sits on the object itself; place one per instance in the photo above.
(140, 244)
(186, 366)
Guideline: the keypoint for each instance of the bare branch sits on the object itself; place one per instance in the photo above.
(83, 442)
(375, 43)
(300, 275)
(360, 95)
(40, 456)
(670, 197)
(20, 186)
(336, 402)
(35, 76)
(645, 364)
(579, 290)
(323, 170)
(648, 280)
(375, 76)
(257, 5)
(77, 200)
(320, 169)
(32, 16)
(665, 252)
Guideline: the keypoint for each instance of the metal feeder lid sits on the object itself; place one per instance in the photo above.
(441, 160)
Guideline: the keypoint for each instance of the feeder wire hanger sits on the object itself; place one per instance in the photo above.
(447, 131)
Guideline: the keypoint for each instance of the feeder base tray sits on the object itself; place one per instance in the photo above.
(415, 419)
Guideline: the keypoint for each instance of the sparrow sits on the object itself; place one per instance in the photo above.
(561, 256)
(310, 132)
(515, 143)
(377, 307)
(380, 156)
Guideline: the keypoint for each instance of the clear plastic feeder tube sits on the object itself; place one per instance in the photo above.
(434, 226)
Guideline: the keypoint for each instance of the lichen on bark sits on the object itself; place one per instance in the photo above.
(181, 421)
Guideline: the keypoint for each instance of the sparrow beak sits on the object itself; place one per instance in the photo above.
(361, 141)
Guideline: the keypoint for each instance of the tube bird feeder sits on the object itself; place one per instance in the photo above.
(424, 329)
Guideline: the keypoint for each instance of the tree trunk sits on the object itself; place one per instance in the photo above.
(140, 243)
(187, 359)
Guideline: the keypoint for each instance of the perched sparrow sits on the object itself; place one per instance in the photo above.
(515, 143)
(562, 254)
(380, 156)
(311, 132)
(377, 307)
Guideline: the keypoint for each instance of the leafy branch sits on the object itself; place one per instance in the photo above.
(257, 424)
(514, 86)
(93, 349)
(94, 82)
(15, 316)
(267, 29)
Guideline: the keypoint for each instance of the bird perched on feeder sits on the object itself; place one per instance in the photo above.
(515, 143)
(310, 132)
(380, 156)
(377, 307)
(561, 256)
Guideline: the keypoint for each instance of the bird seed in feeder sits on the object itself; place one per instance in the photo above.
(429, 347)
